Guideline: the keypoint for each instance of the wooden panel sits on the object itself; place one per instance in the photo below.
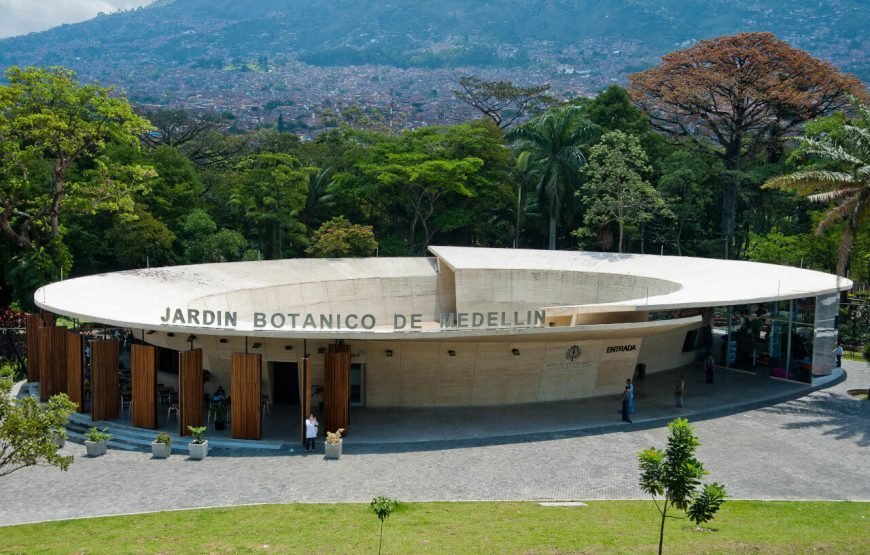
(190, 391)
(33, 323)
(75, 370)
(246, 396)
(143, 361)
(336, 388)
(305, 403)
(104, 379)
(52, 362)
(47, 317)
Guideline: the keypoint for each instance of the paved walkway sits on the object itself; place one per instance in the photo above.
(810, 447)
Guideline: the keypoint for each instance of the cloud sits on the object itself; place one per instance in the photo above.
(19, 17)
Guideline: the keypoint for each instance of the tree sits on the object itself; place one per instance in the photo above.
(53, 137)
(676, 474)
(271, 188)
(611, 109)
(501, 101)
(139, 239)
(28, 429)
(318, 199)
(203, 242)
(742, 92)
(554, 139)
(685, 185)
(201, 136)
(616, 190)
(843, 180)
(429, 175)
(383, 507)
(176, 189)
(338, 237)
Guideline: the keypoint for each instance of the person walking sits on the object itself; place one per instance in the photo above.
(630, 387)
(626, 396)
(839, 353)
(709, 367)
(678, 392)
(310, 432)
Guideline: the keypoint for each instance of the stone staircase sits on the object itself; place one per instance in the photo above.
(130, 438)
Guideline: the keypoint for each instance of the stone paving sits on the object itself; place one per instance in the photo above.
(812, 447)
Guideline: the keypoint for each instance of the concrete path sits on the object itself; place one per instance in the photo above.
(810, 447)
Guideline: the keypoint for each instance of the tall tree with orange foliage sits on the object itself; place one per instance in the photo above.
(742, 92)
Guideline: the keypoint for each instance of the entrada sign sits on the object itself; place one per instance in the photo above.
(296, 320)
(621, 348)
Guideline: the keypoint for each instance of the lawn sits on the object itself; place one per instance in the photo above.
(512, 527)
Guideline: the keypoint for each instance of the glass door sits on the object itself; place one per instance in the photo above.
(357, 384)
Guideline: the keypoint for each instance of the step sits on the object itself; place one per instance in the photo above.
(124, 434)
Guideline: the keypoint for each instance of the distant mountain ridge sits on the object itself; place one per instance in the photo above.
(408, 32)
(189, 51)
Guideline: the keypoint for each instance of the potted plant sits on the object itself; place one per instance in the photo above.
(60, 437)
(96, 441)
(161, 447)
(198, 448)
(333, 444)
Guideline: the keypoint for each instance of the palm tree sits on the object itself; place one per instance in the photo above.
(318, 200)
(554, 141)
(846, 185)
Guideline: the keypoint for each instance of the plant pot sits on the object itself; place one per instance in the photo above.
(333, 450)
(95, 448)
(160, 450)
(198, 451)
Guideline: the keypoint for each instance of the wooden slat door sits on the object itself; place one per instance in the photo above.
(190, 390)
(32, 324)
(245, 396)
(47, 317)
(336, 388)
(305, 398)
(52, 361)
(143, 361)
(105, 397)
(75, 369)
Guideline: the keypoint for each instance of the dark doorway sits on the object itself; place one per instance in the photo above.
(286, 390)
(167, 360)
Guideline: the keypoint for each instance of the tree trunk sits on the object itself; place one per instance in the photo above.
(845, 254)
(552, 243)
(621, 226)
(729, 193)
(662, 529)
(679, 233)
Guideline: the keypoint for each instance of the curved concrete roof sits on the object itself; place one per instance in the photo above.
(383, 287)
(700, 282)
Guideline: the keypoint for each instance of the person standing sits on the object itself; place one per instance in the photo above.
(630, 387)
(678, 392)
(709, 367)
(839, 352)
(626, 396)
(310, 432)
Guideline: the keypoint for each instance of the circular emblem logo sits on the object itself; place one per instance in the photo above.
(573, 353)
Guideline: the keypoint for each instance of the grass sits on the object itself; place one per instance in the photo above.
(511, 527)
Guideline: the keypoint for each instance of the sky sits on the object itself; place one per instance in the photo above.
(19, 17)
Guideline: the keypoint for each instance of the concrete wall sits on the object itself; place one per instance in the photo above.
(664, 351)
(423, 373)
(510, 290)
